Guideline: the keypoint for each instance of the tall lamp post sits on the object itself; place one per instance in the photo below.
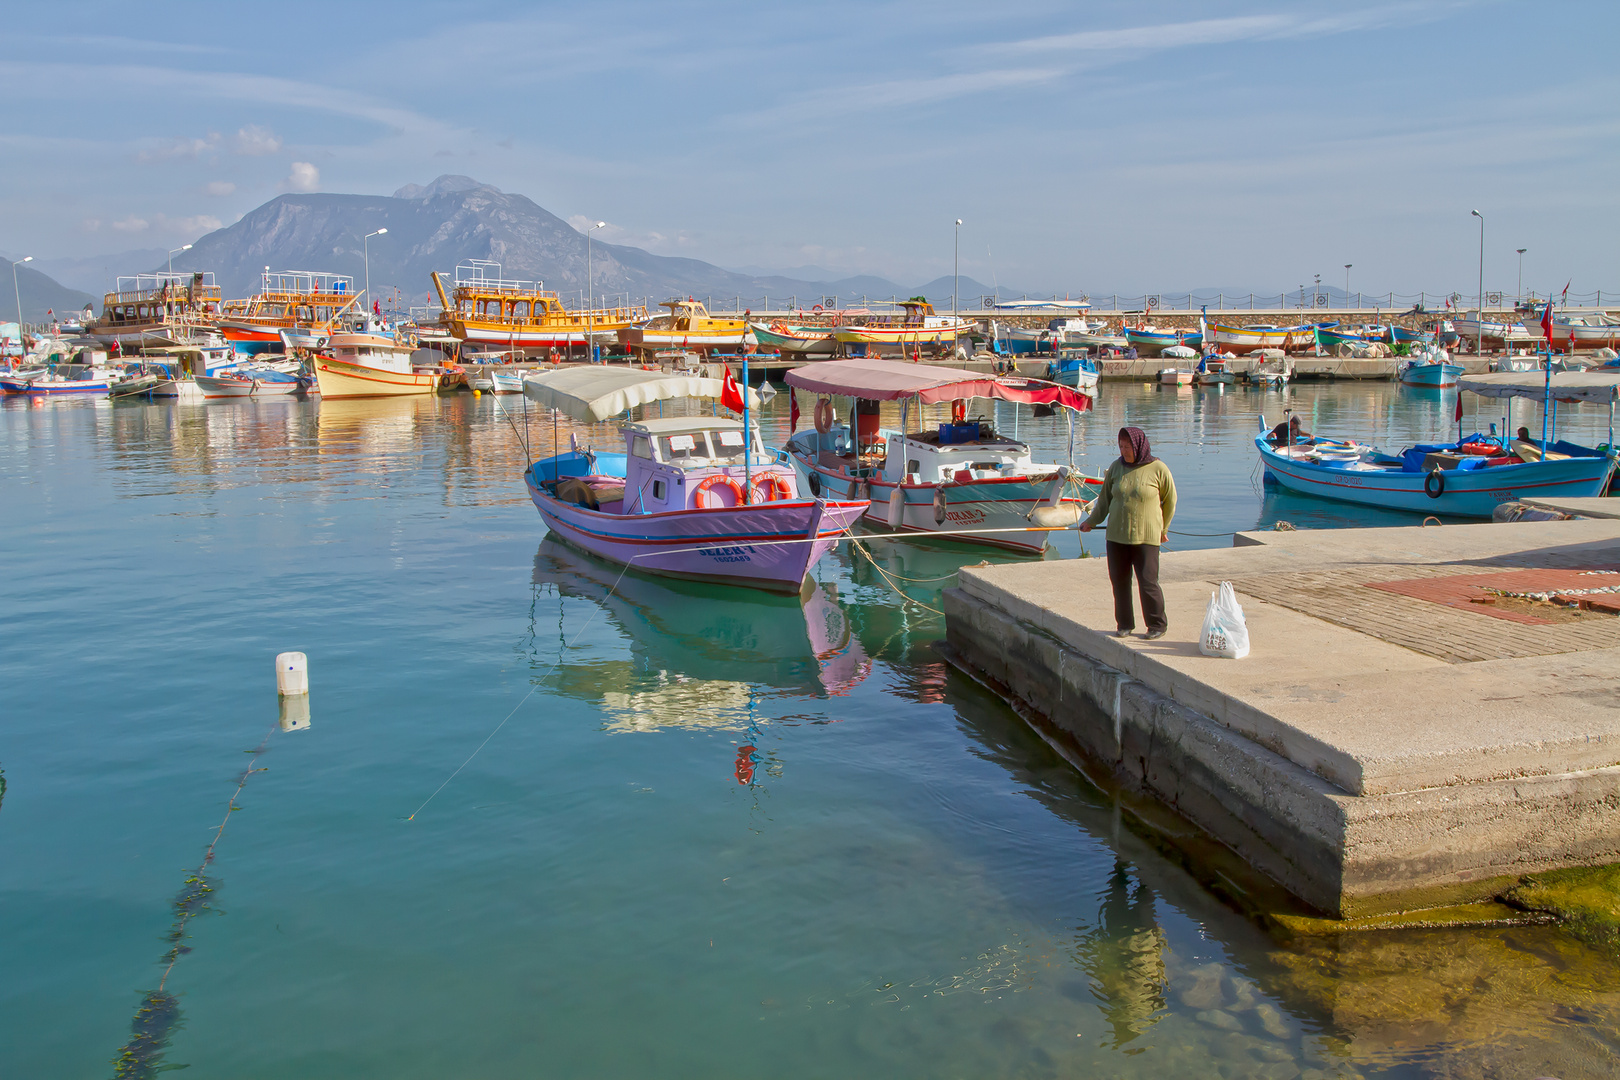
(365, 242)
(590, 295)
(1347, 283)
(1521, 272)
(956, 270)
(173, 253)
(17, 291)
(1479, 337)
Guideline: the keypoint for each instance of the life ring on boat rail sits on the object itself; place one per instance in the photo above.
(816, 309)
(824, 415)
(770, 488)
(701, 495)
(1434, 485)
(958, 410)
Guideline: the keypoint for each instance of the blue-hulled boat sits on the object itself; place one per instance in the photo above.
(1418, 373)
(1458, 478)
(1077, 371)
(1149, 341)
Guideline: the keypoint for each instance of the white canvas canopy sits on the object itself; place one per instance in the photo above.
(594, 394)
(1593, 387)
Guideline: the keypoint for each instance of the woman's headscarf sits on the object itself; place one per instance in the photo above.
(1139, 446)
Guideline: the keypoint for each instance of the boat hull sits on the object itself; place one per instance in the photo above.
(1435, 375)
(39, 386)
(339, 379)
(769, 546)
(903, 335)
(1240, 341)
(988, 504)
(1466, 493)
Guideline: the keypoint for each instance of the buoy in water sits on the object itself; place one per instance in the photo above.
(478, 393)
(292, 674)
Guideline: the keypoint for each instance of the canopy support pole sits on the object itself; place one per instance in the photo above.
(748, 438)
(1546, 394)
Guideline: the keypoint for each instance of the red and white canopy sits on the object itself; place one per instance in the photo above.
(890, 380)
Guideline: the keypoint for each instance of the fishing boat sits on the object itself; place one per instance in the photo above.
(1273, 375)
(370, 363)
(802, 341)
(915, 324)
(1083, 334)
(1422, 371)
(241, 384)
(688, 326)
(1242, 340)
(689, 497)
(1212, 371)
(160, 311)
(487, 311)
(1078, 372)
(1467, 478)
(1597, 331)
(964, 477)
(302, 305)
(1150, 341)
(1175, 377)
(1021, 341)
(1473, 327)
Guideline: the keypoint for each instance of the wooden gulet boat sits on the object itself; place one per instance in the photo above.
(292, 307)
(486, 311)
(160, 311)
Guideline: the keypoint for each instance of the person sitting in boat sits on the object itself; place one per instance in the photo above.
(1288, 434)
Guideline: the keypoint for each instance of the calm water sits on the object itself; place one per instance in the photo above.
(719, 834)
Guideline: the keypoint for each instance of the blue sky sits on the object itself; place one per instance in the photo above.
(1087, 146)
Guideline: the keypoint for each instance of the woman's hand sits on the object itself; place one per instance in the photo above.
(1164, 538)
(1086, 526)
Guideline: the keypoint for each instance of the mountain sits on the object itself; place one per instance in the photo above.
(455, 218)
(40, 294)
(98, 274)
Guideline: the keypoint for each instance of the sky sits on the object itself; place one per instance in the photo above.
(1087, 147)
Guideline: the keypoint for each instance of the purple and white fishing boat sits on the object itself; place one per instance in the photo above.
(689, 497)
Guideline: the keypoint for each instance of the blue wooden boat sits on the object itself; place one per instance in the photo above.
(1457, 483)
(1076, 371)
(1438, 374)
(1148, 341)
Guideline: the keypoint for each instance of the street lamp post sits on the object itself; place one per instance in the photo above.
(173, 253)
(956, 270)
(590, 293)
(1479, 337)
(1521, 272)
(17, 292)
(365, 242)
(1347, 284)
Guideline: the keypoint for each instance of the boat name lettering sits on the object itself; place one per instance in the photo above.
(970, 516)
(727, 554)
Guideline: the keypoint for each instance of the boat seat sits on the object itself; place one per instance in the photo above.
(1530, 451)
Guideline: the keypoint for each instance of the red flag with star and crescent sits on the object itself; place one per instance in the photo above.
(793, 412)
(730, 394)
(1546, 322)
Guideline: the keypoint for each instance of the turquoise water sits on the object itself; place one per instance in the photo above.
(706, 834)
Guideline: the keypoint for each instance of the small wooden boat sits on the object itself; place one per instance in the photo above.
(688, 326)
(917, 324)
(1078, 372)
(241, 384)
(370, 363)
(1443, 478)
(1439, 374)
(964, 478)
(1149, 341)
(1474, 327)
(804, 341)
(1212, 372)
(1599, 331)
(690, 497)
(1242, 340)
(1175, 377)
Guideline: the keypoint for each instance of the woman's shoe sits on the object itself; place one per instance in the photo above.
(1153, 634)
(1122, 633)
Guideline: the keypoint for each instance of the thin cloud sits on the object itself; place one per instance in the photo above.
(219, 188)
(255, 141)
(179, 148)
(900, 93)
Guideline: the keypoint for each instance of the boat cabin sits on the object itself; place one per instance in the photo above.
(694, 463)
(952, 453)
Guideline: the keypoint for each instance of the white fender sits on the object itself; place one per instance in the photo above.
(897, 508)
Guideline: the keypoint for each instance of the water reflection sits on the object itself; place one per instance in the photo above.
(1124, 956)
(699, 653)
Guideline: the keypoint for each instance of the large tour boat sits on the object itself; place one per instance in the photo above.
(160, 311)
(688, 326)
(305, 303)
(487, 311)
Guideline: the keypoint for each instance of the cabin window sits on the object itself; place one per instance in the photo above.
(660, 491)
(913, 465)
(520, 310)
(678, 448)
(641, 447)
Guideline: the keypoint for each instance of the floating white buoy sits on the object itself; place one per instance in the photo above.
(292, 673)
(295, 712)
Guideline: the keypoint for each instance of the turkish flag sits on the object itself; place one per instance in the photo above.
(1458, 417)
(793, 412)
(1546, 322)
(730, 395)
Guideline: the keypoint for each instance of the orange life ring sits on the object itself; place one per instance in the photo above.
(958, 411)
(700, 497)
(769, 487)
(816, 309)
(824, 415)
(1480, 449)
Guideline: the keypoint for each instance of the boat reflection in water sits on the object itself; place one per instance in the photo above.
(701, 653)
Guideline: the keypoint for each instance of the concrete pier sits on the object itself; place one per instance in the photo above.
(1391, 743)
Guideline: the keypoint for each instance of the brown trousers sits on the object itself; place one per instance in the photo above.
(1144, 559)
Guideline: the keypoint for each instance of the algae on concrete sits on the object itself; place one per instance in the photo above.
(1584, 899)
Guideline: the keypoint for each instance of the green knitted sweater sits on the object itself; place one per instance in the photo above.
(1138, 503)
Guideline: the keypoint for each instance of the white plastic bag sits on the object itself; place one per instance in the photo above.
(1225, 633)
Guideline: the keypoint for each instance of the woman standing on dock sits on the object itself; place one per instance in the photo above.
(1138, 498)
